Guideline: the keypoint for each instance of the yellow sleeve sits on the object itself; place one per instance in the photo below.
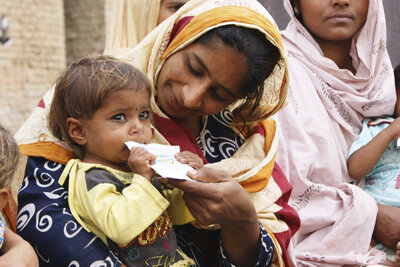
(178, 210)
(121, 216)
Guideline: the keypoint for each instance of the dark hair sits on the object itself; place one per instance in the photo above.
(261, 57)
(397, 77)
(81, 89)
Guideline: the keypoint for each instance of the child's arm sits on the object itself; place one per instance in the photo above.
(363, 160)
(120, 211)
(17, 252)
(140, 160)
(189, 158)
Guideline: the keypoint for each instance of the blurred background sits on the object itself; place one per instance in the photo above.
(38, 38)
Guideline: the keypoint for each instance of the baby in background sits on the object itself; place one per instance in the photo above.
(99, 104)
(375, 155)
(14, 251)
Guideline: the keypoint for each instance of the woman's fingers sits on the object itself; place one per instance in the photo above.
(203, 175)
(209, 175)
(217, 199)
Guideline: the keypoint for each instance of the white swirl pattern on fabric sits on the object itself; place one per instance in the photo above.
(24, 184)
(25, 215)
(44, 177)
(218, 141)
(48, 165)
(54, 195)
(44, 223)
(70, 232)
(74, 264)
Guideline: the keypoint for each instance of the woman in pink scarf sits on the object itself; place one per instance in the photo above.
(340, 72)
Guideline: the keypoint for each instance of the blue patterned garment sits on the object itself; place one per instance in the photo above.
(217, 140)
(45, 219)
(383, 181)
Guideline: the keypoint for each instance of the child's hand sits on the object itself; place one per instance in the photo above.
(189, 158)
(140, 160)
(394, 128)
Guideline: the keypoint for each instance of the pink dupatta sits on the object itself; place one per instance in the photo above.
(326, 107)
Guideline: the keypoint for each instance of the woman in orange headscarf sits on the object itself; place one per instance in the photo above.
(218, 71)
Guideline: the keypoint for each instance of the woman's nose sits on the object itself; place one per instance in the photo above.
(193, 95)
(341, 2)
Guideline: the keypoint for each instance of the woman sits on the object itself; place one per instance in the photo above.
(340, 73)
(132, 20)
(218, 70)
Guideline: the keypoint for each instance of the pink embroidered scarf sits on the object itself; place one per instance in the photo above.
(326, 107)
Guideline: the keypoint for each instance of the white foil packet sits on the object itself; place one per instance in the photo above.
(166, 165)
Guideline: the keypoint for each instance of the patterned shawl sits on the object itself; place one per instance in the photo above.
(323, 117)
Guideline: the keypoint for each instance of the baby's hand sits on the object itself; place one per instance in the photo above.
(189, 158)
(140, 160)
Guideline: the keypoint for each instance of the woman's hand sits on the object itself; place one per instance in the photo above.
(17, 252)
(218, 199)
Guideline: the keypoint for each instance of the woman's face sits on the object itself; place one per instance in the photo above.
(168, 7)
(333, 20)
(200, 80)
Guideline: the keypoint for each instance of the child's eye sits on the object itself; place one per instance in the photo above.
(119, 117)
(144, 115)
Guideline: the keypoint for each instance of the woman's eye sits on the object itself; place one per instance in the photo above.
(176, 7)
(191, 69)
(219, 95)
(119, 117)
(144, 115)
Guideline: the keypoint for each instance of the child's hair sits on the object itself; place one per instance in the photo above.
(9, 156)
(397, 77)
(81, 89)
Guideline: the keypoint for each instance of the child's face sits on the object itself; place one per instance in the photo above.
(123, 116)
(333, 20)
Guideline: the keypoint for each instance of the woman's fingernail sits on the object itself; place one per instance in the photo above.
(192, 172)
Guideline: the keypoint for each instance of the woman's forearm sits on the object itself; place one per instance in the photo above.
(241, 242)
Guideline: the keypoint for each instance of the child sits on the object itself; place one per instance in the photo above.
(100, 103)
(13, 247)
(375, 155)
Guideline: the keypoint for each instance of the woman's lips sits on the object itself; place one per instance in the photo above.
(340, 18)
(174, 103)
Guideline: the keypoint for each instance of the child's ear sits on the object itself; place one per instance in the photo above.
(3, 198)
(76, 131)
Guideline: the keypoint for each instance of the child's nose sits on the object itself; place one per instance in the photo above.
(136, 127)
